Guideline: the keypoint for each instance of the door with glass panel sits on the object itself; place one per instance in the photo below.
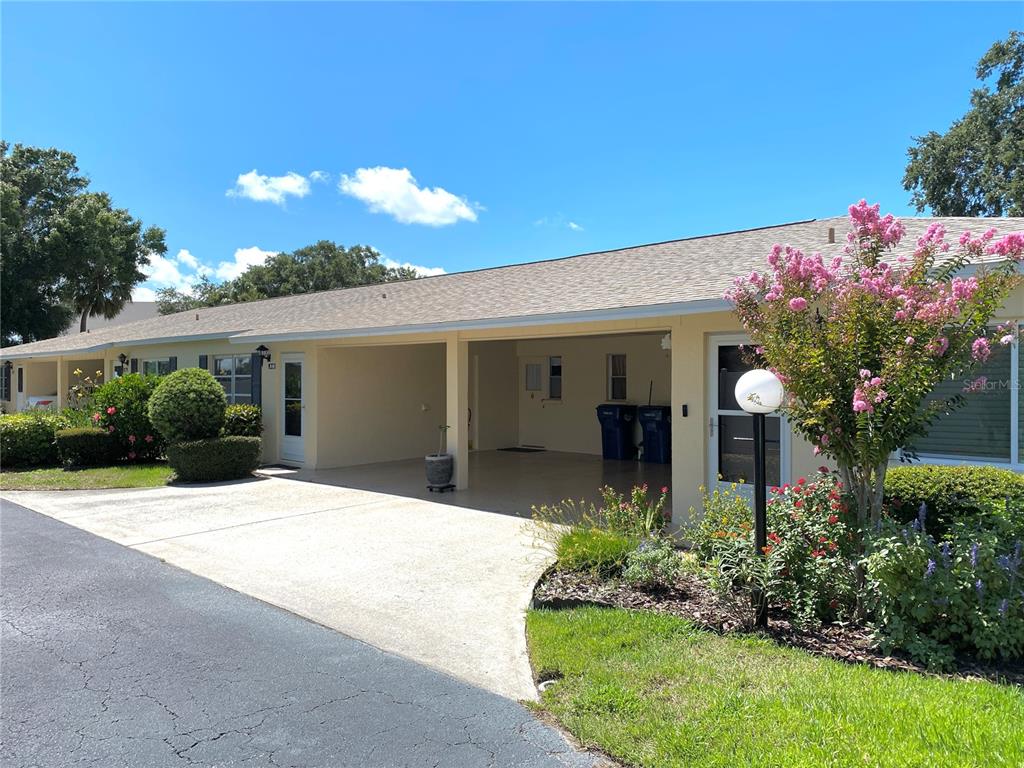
(731, 430)
(293, 408)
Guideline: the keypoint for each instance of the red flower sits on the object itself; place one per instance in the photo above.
(833, 603)
(833, 519)
(833, 546)
(822, 539)
(817, 553)
(767, 549)
(96, 417)
(801, 481)
(149, 438)
(823, 469)
(798, 504)
(131, 454)
(111, 411)
(664, 489)
(774, 537)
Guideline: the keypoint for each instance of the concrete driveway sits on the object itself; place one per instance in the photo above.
(442, 585)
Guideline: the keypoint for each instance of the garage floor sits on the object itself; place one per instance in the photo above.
(501, 481)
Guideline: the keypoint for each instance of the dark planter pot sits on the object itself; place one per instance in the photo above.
(440, 468)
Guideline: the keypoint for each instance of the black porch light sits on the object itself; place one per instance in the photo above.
(759, 392)
(264, 353)
(123, 359)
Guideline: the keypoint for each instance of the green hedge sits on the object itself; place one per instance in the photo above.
(27, 438)
(188, 404)
(243, 420)
(951, 493)
(84, 447)
(214, 459)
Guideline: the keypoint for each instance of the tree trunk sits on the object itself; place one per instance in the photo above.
(85, 319)
(866, 484)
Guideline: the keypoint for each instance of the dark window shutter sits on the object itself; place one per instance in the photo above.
(204, 362)
(256, 366)
(135, 365)
(21, 379)
(172, 363)
(5, 385)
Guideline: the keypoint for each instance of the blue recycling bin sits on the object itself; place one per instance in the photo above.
(617, 430)
(656, 422)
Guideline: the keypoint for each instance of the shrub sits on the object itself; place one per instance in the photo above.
(950, 493)
(27, 438)
(188, 404)
(809, 565)
(243, 420)
(121, 407)
(936, 599)
(639, 516)
(84, 447)
(655, 563)
(595, 551)
(214, 459)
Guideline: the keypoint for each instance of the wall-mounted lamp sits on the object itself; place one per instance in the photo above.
(123, 358)
(8, 364)
(264, 353)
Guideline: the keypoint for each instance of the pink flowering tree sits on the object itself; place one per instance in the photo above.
(861, 341)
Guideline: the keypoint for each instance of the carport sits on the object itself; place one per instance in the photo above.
(529, 432)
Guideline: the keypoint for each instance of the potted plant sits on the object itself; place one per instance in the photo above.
(440, 465)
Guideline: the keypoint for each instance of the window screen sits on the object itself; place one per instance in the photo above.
(616, 377)
(981, 429)
(555, 378)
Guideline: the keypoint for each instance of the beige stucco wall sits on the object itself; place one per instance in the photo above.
(570, 424)
(492, 395)
(379, 403)
(40, 379)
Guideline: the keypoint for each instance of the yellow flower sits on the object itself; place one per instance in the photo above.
(78, 371)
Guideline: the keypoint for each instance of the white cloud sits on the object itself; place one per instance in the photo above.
(142, 293)
(421, 271)
(319, 176)
(271, 189)
(166, 271)
(394, 191)
(558, 221)
(186, 258)
(244, 258)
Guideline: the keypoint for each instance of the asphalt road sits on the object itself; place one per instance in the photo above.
(112, 658)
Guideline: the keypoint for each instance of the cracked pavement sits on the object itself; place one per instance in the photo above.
(114, 658)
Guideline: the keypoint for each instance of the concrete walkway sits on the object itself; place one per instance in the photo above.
(112, 658)
(442, 585)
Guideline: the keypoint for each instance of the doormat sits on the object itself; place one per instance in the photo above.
(521, 449)
(278, 466)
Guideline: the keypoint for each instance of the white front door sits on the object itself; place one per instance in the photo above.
(532, 397)
(731, 430)
(19, 385)
(293, 408)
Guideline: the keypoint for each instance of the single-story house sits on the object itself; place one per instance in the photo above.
(516, 357)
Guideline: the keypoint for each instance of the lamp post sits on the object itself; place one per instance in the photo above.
(759, 392)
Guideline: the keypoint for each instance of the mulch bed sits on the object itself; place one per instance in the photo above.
(691, 599)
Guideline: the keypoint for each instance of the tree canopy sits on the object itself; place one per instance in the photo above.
(323, 266)
(65, 251)
(976, 168)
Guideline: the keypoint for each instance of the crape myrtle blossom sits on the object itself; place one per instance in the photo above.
(861, 341)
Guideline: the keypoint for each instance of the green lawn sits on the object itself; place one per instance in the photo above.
(652, 690)
(53, 479)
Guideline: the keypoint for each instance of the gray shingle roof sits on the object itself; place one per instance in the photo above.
(646, 278)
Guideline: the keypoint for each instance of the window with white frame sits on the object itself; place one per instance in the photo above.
(555, 378)
(987, 428)
(616, 377)
(234, 372)
(157, 366)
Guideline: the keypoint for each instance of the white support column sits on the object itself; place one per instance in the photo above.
(62, 384)
(457, 406)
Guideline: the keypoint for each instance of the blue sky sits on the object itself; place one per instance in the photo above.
(462, 136)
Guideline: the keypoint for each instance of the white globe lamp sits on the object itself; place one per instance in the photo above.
(759, 391)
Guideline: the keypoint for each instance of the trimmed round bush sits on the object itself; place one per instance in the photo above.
(214, 459)
(188, 404)
(84, 447)
(951, 493)
(26, 439)
(243, 420)
(121, 407)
